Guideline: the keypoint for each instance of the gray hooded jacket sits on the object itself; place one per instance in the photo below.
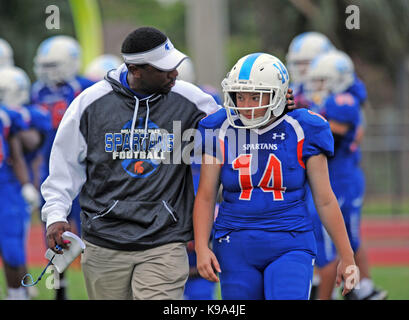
(136, 195)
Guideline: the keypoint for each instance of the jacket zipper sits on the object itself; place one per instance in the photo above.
(170, 211)
(109, 210)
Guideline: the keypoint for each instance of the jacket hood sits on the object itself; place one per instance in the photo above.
(113, 77)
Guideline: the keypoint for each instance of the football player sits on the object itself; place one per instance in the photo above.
(57, 65)
(332, 81)
(302, 50)
(6, 54)
(98, 67)
(16, 192)
(263, 154)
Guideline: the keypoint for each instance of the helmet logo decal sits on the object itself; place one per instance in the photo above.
(282, 70)
(247, 66)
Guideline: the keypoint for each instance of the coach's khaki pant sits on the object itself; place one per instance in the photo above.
(157, 274)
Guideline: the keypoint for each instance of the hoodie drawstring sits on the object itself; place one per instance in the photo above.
(134, 118)
(135, 113)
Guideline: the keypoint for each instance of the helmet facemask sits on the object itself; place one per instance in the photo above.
(298, 70)
(54, 72)
(329, 73)
(14, 87)
(273, 109)
(58, 60)
(317, 89)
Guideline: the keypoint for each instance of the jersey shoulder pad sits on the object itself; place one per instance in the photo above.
(343, 107)
(308, 118)
(342, 100)
(84, 82)
(214, 120)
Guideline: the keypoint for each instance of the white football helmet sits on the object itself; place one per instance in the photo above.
(302, 50)
(186, 71)
(261, 73)
(329, 73)
(14, 86)
(98, 67)
(58, 60)
(6, 54)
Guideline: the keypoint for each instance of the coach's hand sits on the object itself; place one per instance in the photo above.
(290, 100)
(54, 235)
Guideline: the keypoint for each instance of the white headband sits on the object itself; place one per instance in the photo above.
(164, 57)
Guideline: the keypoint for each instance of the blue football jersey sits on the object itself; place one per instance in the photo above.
(56, 100)
(263, 172)
(13, 122)
(40, 120)
(2, 144)
(358, 90)
(343, 108)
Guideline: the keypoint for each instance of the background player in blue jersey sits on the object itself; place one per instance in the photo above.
(264, 247)
(27, 127)
(97, 69)
(14, 213)
(56, 65)
(331, 78)
(15, 95)
(6, 54)
(301, 51)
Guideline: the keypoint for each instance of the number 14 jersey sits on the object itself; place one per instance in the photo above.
(263, 172)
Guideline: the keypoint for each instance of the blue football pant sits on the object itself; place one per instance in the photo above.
(263, 265)
(14, 224)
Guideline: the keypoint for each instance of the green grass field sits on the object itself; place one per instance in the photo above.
(393, 279)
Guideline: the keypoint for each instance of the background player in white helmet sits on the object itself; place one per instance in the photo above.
(6, 54)
(18, 195)
(58, 60)
(302, 50)
(98, 67)
(57, 65)
(15, 96)
(329, 79)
